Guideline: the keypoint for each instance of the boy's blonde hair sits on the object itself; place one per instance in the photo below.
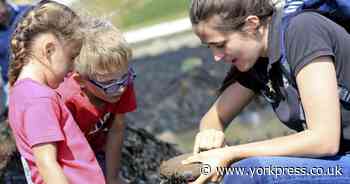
(104, 49)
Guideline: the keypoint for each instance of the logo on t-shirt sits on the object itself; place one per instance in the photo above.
(101, 125)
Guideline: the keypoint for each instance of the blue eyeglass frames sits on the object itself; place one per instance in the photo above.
(115, 85)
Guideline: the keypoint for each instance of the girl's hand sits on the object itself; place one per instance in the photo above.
(208, 139)
(210, 160)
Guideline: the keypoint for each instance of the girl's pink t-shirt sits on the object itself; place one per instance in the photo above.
(37, 115)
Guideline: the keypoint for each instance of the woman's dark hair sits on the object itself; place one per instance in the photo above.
(45, 17)
(232, 13)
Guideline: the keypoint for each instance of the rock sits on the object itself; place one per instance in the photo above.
(142, 156)
(173, 179)
(173, 170)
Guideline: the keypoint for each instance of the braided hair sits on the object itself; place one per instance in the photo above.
(45, 17)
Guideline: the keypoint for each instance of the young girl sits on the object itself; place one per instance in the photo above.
(45, 42)
(246, 34)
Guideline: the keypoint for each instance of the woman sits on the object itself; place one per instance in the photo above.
(246, 33)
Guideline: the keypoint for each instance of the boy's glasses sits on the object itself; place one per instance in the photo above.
(115, 85)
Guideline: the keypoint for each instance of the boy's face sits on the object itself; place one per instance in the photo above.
(106, 78)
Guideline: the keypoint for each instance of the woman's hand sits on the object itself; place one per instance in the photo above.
(208, 139)
(220, 115)
(210, 160)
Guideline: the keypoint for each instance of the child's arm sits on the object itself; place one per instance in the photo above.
(113, 149)
(45, 157)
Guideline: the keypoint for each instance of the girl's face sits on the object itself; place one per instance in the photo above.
(61, 61)
(234, 47)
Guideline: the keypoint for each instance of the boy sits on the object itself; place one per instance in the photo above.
(100, 91)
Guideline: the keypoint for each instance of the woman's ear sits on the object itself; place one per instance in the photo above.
(251, 25)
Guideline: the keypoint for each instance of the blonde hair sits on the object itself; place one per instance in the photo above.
(104, 49)
(46, 17)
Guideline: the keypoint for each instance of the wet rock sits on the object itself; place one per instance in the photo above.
(173, 171)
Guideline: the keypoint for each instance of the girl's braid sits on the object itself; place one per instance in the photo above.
(46, 17)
